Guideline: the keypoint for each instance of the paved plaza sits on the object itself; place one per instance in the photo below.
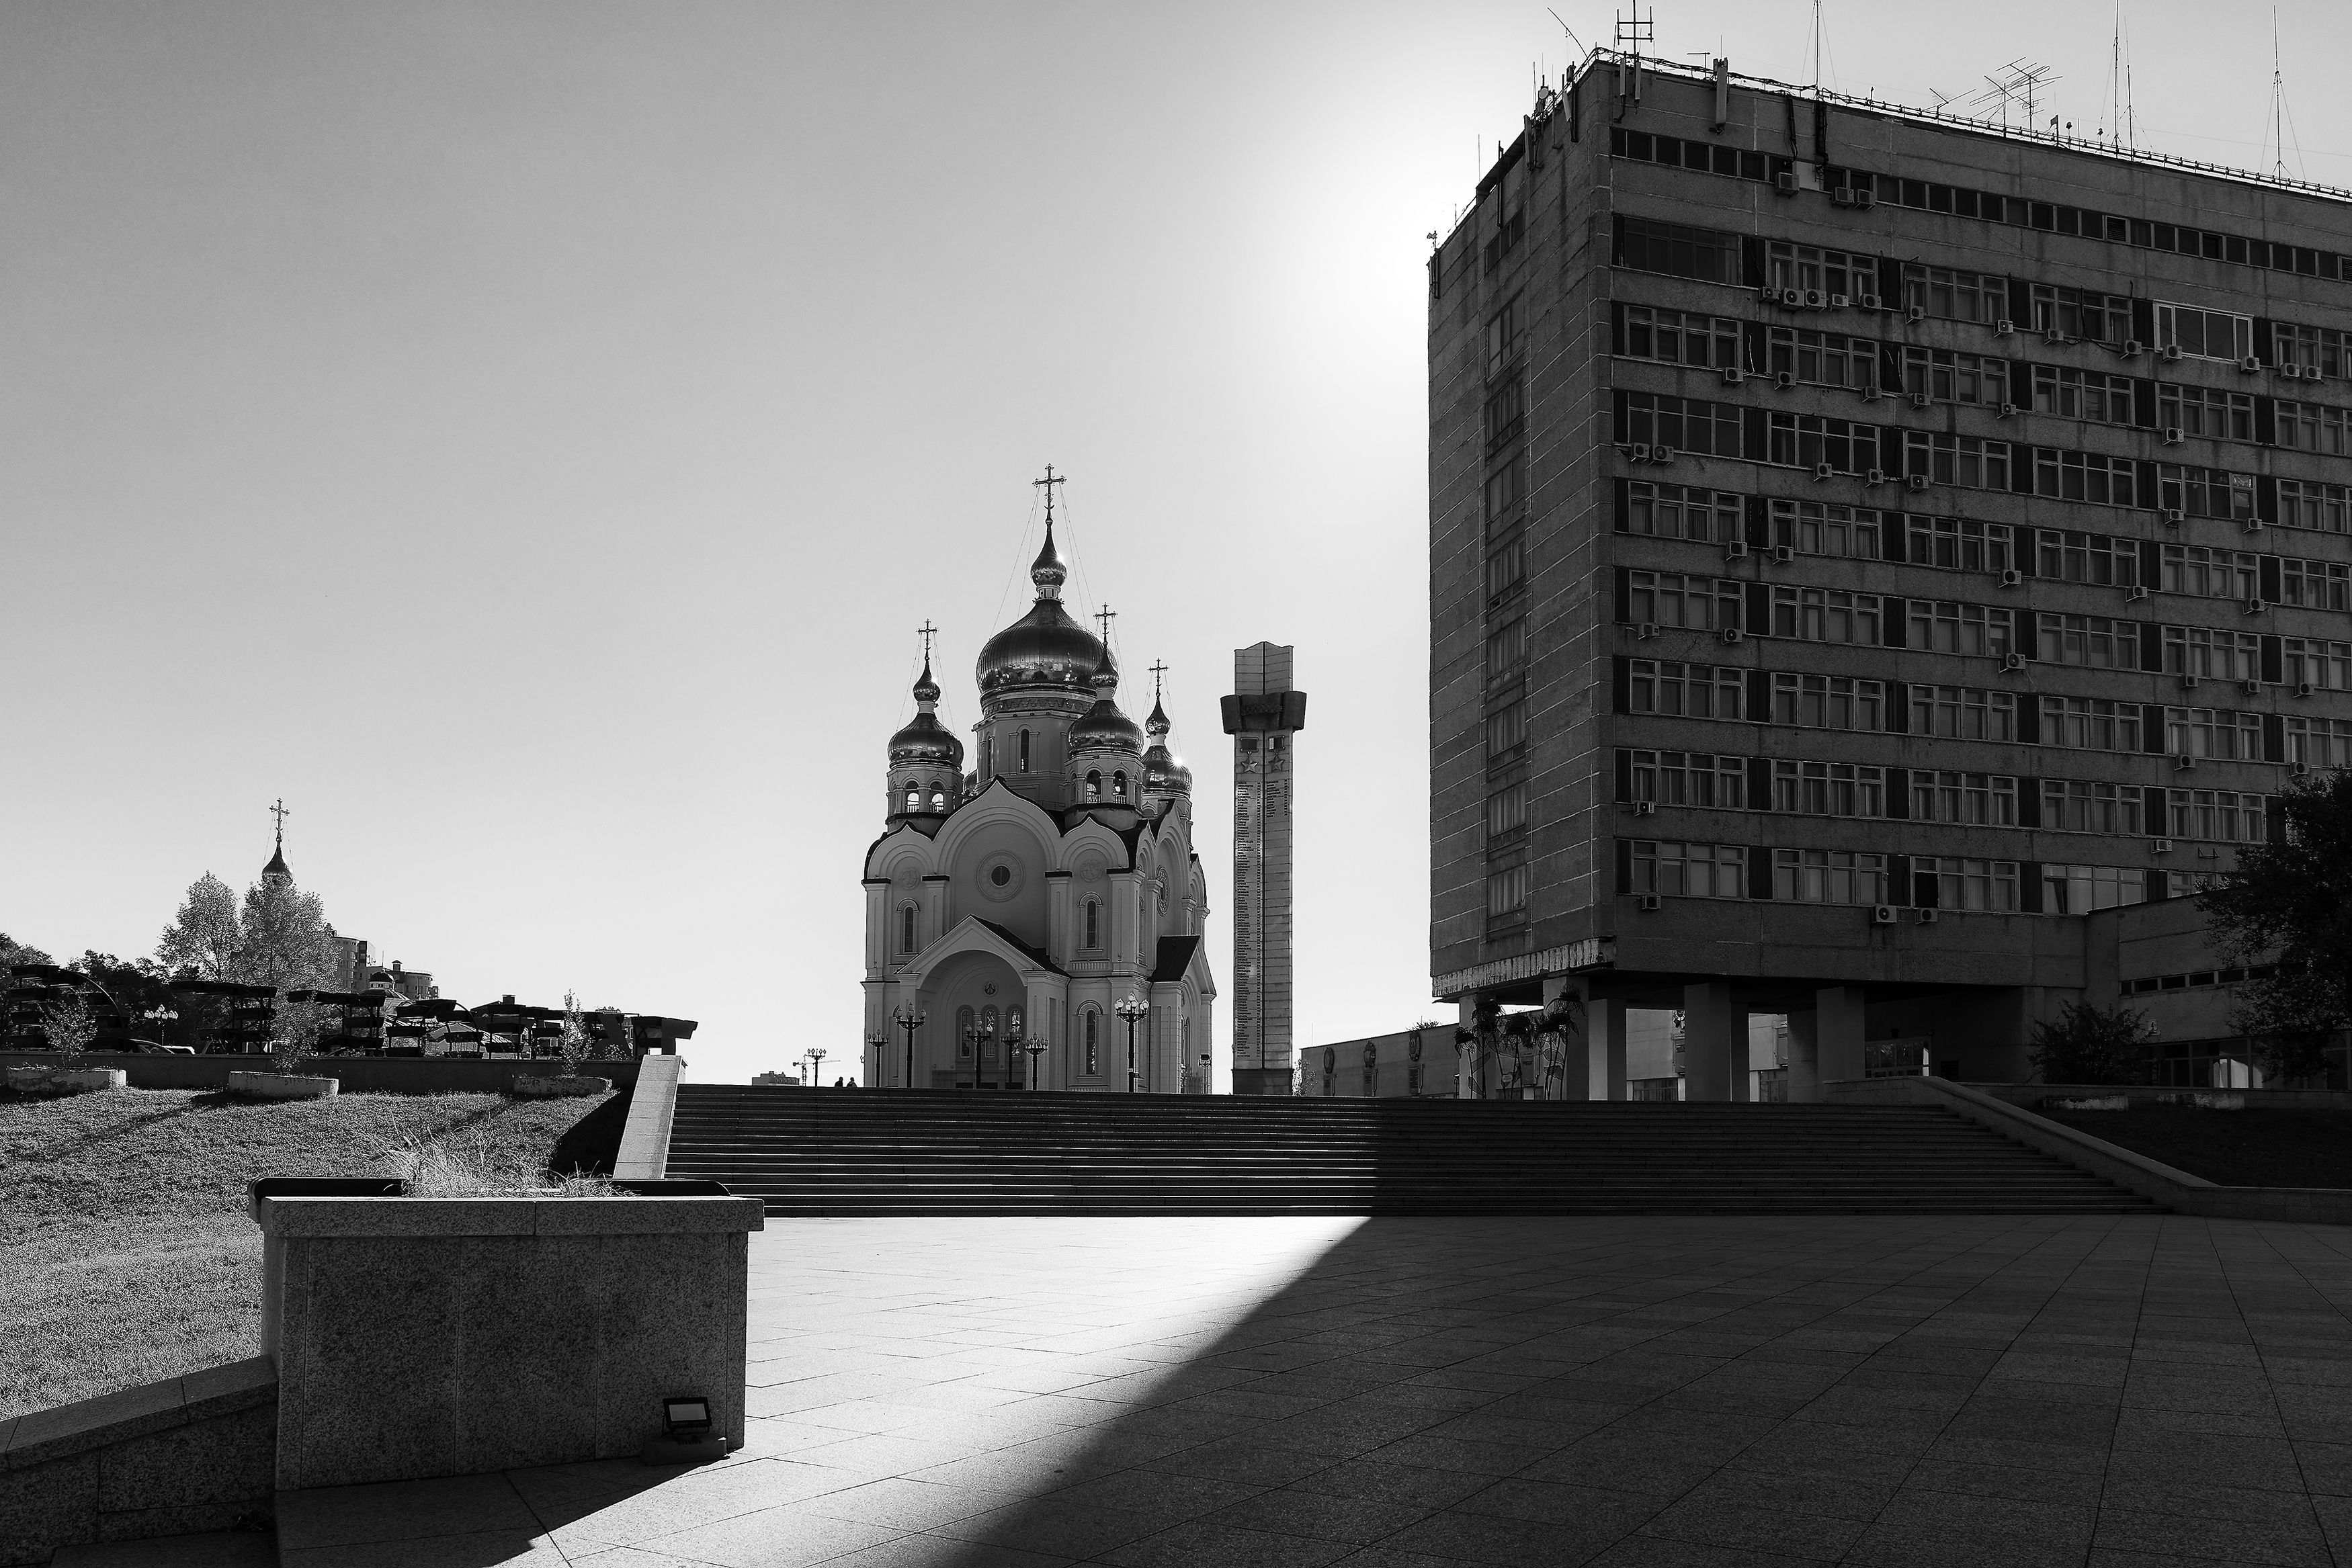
(1414, 1393)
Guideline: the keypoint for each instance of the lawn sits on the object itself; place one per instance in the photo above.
(2236, 1148)
(127, 1254)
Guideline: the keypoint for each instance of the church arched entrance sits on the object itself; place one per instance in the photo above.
(985, 1007)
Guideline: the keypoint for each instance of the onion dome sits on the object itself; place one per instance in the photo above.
(1104, 728)
(1046, 647)
(1162, 773)
(925, 739)
(275, 871)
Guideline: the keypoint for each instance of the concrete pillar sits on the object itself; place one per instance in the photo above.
(1596, 1057)
(1465, 1080)
(1714, 1043)
(1804, 1069)
(1837, 1033)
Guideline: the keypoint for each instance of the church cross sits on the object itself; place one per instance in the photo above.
(281, 811)
(1105, 615)
(1047, 484)
(1158, 670)
(927, 631)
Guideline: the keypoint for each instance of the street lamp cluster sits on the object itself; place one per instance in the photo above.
(1133, 1008)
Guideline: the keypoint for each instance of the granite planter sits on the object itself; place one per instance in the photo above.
(282, 1085)
(431, 1336)
(534, 1088)
(65, 1079)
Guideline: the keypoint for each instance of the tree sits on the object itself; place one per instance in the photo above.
(574, 1043)
(71, 1026)
(133, 986)
(283, 940)
(14, 956)
(295, 1025)
(205, 935)
(2288, 906)
(2092, 1045)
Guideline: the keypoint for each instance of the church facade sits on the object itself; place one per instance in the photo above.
(1016, 905)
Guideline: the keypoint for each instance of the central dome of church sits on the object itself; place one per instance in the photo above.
(1045, 647)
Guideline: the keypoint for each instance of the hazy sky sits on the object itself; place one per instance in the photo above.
(525, 436)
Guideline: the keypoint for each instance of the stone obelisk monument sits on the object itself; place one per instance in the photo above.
(1263, 715)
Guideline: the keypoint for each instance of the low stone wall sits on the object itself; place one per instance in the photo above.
(2127, 1168)
(358, 1074)
(188, 1454)
(2034, 1095)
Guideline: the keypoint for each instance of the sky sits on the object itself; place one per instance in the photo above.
(524, 437)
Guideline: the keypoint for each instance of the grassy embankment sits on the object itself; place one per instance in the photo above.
(126, 1254)
(2235, 1148)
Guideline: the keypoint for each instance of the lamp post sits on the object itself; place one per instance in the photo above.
(879, 1039)
(1132, 1007)
(816, 1055)
(1034, 1049)
(159, 1017)
(910, 1019)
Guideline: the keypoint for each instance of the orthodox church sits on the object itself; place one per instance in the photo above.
(1019, 913)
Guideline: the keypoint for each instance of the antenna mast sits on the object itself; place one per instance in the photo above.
(2280, 124)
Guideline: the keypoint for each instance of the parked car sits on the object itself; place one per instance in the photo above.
(157, 1048)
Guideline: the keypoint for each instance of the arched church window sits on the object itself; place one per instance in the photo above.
(1013, 1024)
(1093, 1044)
(1118, 785)
(964, 1030)
(1094, 786)
(988, 1033)
(914, 800)
(1094, 924)
(1024, 751)
(906, 928)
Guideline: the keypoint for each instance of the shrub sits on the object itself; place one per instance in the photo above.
(2092, 1045)
(295, 1025)
(575, 1044)
(71, 1026)
(463, 1164)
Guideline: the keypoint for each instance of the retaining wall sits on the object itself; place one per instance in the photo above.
(360, 1074)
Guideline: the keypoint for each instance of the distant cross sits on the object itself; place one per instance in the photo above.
(927, 631)
(1105, 615)
(281, 813)
(1047, 484)
(1158, 670)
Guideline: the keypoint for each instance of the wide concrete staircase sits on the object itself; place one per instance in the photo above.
(873, 1152)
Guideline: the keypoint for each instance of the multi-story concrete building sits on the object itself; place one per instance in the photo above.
(1263, 715)
(1879, 564)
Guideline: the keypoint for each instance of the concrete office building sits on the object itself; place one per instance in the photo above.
(1263, 715)
(1880, 566)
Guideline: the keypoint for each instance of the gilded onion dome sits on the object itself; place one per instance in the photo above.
(1104, 728)
(925, 739)
(1044, 648)
(1162, 773)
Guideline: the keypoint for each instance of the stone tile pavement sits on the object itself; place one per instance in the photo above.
(1654, 1393)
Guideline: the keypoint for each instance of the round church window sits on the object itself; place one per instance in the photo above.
(1000, 875)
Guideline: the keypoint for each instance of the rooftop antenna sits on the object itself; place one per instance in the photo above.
(1815, 40)
(1569, 31)
(2280, 124)
(2020, 81)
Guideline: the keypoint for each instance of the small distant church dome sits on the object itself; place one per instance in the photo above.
(1105, 727)
(925, 739)
(1162, 773)
(1045, 647)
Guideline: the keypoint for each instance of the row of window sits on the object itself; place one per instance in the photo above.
(1725, 782)
(1686, 869)
(1709, 516)
(1670, 689)
(1090, 927)
(1928, 195)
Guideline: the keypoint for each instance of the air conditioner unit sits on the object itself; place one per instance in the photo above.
(2255, 607)
(2131, 348)
(2012, 661)
(2007, 409)
(1737, 549)
(2299, 769)
(1645, 808)
(2137, 592)
(1871, 394)
(2053, 336)
(2290, 373)
(1916, 481)
(2253, 689)
(2249, 365)
(2183, 762)
(1769, 293)
(1733, 375)
(2171, 351)
(1882, 914)
(1783, 555)
(1662, 455)
(2172, 435)
(1641, 451)
(1731, 634)
(1840, 197)
(2255, 524)
(1915, 313)
(1867, 301)
(1822, 470)
(1875, 476)
(1645, 631)
(2162, 846)
(2011, 577)
(1865, 197)
(1784, 380)
(1920, 400)
(2302, 688)
(1927, 917)
(2174, 517)
(1840, 301)
(1647, 901)
(2188, 682)
(1785, 183)
(2004, 327)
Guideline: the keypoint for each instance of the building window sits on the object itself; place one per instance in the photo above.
(1955, 295)
(2082, 806)
(1689, 871)
(2319, 742)
(1962, 544)
(1686, 424)
(2217, 816)
(1024, 751)
(1823, 359)
(1828, 702)
(1507, 810)
(1093, 925)
(1648, 245)
(1682, 512)
(1119, 784)
(2307, 504)
(1094, 786)
(1507, 566)
(1506, 893)
(967, 1028)
(1816, 527)
(1507, 728)
(2207, 334)
(2208, 411)
(2097, 642)
(1672, 599)
(2208, 573)
(1825, 615)
(1966, 460)
(1942, 627)
(2069, 555)
(1809, 440)
(1681, 338)
(2313, 584)
(1687, 779)
(2218, 733)
(1829, 789)
(2071, 393)
(2081, 313)
(2090, 724)
(2090, 477)
(2080, 889)
(906, 928)
(2325, 666)
(1972, 799)
(1829, 876)
(1950, 883)
(939, 801)
(2215, 655)
(1805, 266)
(1504, 341)
(1946, 377)
(1506, 414)
(1507, 487)
(1506, 650)
(914, 800)
(2309, 348)
(1092, 1042)
(1685, 691)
